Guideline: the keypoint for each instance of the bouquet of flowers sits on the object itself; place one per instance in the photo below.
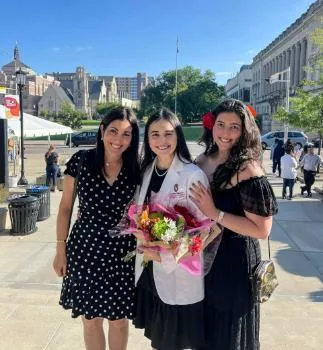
(175, 229)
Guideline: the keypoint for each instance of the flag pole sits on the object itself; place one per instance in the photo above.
(176, 77)
(287, 104)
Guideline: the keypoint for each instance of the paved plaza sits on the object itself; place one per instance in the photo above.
(30, 318)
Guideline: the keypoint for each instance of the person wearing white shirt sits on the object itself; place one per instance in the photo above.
(310, 163)
(289, 172)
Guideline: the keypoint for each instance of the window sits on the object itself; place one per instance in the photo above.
(295, 134)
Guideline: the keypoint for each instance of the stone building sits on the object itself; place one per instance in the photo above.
(133, 85)
(97, 94)
(292, 48)
(36, 85)
(239, 86)
(111, 85)
(88, 90)
(53, 99)
(77, 84)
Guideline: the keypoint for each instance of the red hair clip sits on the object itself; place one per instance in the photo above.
(208, 120)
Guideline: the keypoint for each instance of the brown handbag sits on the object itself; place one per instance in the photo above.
(263, 278)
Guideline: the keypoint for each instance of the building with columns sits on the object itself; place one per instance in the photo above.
(292, 48)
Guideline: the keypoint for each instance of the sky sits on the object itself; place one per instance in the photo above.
(123, 37)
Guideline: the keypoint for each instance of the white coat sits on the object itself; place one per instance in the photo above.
(174, 284)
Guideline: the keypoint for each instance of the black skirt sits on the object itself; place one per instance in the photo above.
(169, 327)
(227, 330)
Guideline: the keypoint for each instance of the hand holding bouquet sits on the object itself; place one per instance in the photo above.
(170, 229)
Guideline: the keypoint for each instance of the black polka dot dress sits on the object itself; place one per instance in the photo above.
(99, 283)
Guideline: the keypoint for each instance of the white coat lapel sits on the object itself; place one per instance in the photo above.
(170, 188)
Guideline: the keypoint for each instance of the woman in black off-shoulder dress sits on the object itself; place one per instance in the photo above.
(242, 201)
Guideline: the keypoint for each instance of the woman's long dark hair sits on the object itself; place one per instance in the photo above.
(130, 155)
(207, 140)
(181, 148)
(248, 147)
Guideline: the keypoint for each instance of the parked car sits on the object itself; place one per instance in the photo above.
(83, 138)
(296, 137)
(316, 142)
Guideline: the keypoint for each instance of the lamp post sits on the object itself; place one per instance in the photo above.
(21, 82)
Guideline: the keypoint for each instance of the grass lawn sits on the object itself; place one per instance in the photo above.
(192, 133)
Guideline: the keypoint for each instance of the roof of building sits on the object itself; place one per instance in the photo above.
(14, 64)
(245, 66)
(95, 87)
(60, 92)
(67, 84)
(68, 93)
(106, 78)
(313, 8)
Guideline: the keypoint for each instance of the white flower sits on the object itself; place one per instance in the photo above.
(171, 232)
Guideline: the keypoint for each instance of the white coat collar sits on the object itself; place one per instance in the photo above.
(173, 172)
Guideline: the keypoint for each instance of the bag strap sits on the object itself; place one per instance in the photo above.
(268, 239)
(79, 166)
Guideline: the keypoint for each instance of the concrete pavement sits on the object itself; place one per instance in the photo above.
(30, 318)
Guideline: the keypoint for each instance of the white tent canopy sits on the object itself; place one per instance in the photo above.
(34, 126)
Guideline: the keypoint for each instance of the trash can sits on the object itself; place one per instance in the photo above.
(23, 213)
(41, 192)
(3, 218)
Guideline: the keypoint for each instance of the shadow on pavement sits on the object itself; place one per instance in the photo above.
(297, 244)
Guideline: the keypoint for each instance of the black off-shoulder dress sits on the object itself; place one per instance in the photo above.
(232, 317)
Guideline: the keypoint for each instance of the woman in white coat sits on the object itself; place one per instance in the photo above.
(168, 298)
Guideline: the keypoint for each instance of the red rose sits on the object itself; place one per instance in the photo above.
(208, 120)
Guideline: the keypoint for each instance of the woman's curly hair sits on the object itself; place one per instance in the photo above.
(248, 147)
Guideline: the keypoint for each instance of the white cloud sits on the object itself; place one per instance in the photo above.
(251, 52)
(239, 63)
(72, 48)
(83, 48)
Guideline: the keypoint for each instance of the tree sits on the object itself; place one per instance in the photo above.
(306, 110)
(197, 92)
(103, 108)
(69, 116)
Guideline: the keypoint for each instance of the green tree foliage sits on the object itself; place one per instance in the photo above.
(69, 116)
(197, 93)
(103, 108)
(306, 107)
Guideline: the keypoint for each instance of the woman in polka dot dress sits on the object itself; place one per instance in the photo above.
(97, 283)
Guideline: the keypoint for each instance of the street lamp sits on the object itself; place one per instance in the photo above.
(21, 82)
(278, 78)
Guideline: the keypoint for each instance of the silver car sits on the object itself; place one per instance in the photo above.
(297, 137)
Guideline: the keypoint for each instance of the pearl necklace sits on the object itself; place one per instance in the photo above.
(160, 174)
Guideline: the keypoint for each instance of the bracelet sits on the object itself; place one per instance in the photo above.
(220, 217)
(61, 241)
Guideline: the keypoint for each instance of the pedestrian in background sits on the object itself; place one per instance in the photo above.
(303, 152)
(279, 151)
(272, 148)
(310, 163)
(11, 149)
(97, 283)
(51, 159)
(289, 170)
(242, 201)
